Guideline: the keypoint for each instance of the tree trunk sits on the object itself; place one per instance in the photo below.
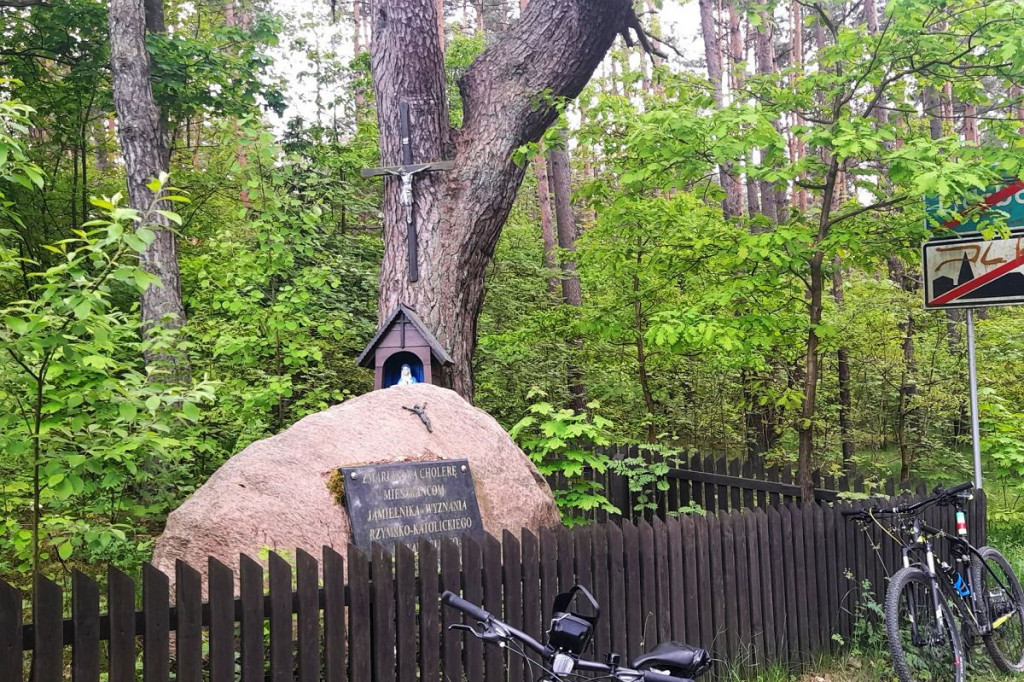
(712, 48)
(144, 149)
(565, 221)
(815, 289)
(843, 370)
(507, 95)
(640, 327)
(733, 184)
(547, 226)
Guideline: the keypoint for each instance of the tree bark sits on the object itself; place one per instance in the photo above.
(815, 289)
(560, 173)
(733, 184)
(712, 48)
(843, 370)
(145, 152)
(547, 226)
(550, 53)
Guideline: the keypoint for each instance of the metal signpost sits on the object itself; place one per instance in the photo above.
(968, 271)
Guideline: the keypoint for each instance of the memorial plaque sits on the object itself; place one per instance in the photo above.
(403, 502)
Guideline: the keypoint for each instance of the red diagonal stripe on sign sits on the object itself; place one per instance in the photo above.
(988, 202)
(968, 287)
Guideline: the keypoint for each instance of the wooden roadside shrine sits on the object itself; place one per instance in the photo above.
(403, 339)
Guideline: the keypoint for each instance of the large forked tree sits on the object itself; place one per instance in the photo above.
(509, 97)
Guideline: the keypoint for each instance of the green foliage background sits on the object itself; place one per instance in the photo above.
(690, 321)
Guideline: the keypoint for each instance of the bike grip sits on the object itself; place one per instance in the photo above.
(963, 487)
(469, 608)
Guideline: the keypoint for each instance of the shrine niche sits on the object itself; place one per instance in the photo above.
(403, 351)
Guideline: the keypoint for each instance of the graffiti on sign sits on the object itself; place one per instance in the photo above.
(1003, 205)
(969, 273)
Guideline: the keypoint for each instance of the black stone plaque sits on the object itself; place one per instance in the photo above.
(403, 502)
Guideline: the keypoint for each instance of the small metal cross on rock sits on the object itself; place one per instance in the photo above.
(421, 411)
(406, 172)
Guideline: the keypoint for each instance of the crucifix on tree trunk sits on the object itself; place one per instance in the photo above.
(406, 172)
(509, 97)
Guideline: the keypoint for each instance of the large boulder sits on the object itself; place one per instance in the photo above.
(274, 494)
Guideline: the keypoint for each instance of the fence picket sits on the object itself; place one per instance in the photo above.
(702, 559)
(758, 586)
(789, 563)
(360, 642)
(513, 596)
(472, 564)
(382, 614)
(11, 648)
(599, 544)
(530, 550)
(281, 663)
(711, 503)
(189, 638)
(735, 492)
(251, 590)
(494, 657)
(742, 592)
(634, 609)
(222, 621)
(720, 643)
(405, 612)
(334, 616)
(430, 626)
(617, 589)
(85, 616)
(803, 588)
(663, 601)
(688, 567)
(156, 647)
(307, 588)
(121, 608)
(674, 600)
(730, 585)
(451, 639)
(648, 587)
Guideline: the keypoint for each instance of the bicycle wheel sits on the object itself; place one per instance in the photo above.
(1002, 605)
(921, 648)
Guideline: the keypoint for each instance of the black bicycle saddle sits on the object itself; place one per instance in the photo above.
(681, 660)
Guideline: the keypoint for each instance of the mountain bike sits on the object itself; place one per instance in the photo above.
(568, 637)
(980, 585)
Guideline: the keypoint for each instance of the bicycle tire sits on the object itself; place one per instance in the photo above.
(1015, 624)
(902, 658)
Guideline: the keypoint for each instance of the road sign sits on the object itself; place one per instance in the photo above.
(973, 272)
(1006, 201)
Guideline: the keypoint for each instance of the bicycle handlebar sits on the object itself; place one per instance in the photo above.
(483, 616)
(939, 496)
(469, 608)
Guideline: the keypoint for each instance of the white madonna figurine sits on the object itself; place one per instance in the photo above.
(407, 379)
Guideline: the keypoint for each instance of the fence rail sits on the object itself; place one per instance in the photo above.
(756, 587)
(715, 484)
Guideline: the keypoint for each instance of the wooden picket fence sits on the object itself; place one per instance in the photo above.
(714, 484)
(756, 587)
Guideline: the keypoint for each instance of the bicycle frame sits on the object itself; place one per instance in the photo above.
(968, 606)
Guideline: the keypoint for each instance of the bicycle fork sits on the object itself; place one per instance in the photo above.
(912, 596)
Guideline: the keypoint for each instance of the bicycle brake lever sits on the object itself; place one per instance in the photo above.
(463, 626)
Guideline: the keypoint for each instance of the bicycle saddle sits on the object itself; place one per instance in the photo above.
(681, 660)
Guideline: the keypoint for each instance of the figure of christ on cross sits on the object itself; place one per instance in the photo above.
(406, 172)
